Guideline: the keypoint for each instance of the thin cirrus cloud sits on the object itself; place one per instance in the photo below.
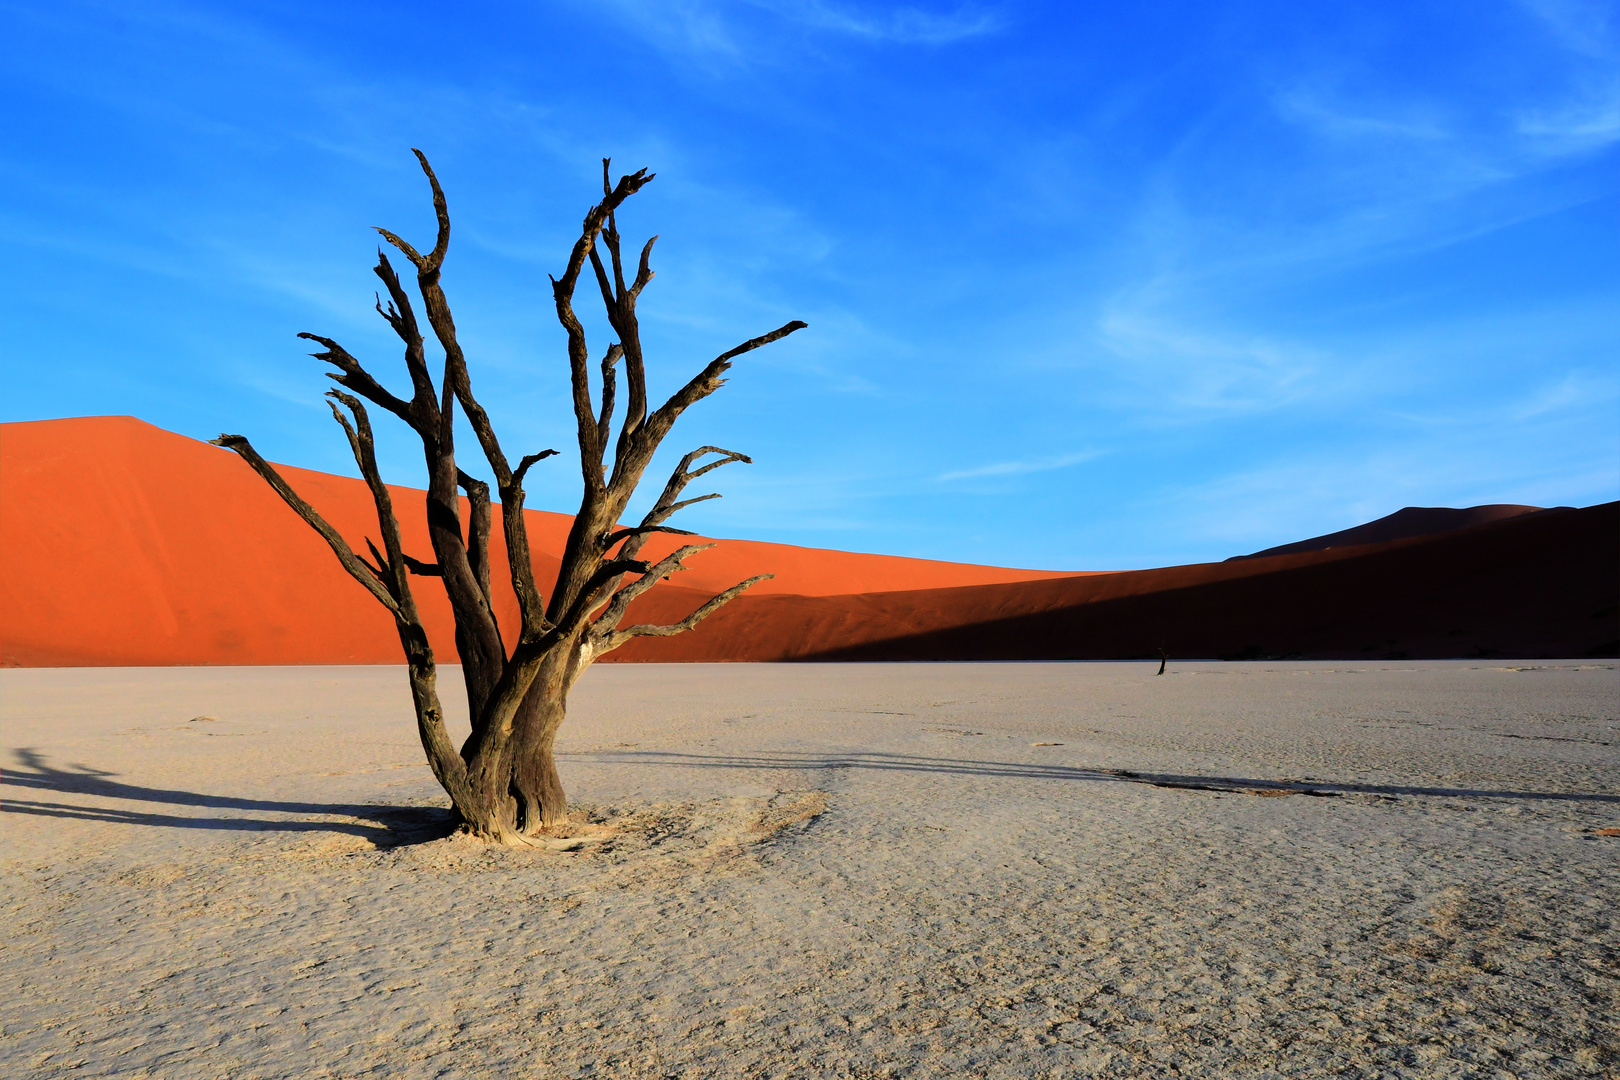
(1312, 108)
(1326, 492)
(1575, 127)
(1584, 27)
(1020, 468)
(906, 25)
(1204, 372)
(716, 27)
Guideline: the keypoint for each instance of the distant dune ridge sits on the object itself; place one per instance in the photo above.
(1405, 523)
(128, 545)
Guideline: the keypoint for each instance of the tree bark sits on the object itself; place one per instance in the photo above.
(536, 785)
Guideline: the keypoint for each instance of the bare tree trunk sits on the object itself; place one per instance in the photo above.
(504, 783)
(536, 785)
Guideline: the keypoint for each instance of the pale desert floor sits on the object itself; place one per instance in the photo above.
(1042, 870)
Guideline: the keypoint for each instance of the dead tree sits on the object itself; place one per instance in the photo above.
(503, 781)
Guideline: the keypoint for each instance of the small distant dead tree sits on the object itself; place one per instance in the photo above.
(503, 781)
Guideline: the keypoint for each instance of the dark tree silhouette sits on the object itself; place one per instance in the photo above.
(503, 782)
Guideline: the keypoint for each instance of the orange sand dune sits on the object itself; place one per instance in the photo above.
(125, 544)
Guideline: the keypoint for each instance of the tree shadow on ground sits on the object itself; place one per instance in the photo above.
(383, 826)
(882, 762)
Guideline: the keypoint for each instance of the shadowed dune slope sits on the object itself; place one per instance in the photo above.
(1407, 522)
(125, 544)
(1539, 585)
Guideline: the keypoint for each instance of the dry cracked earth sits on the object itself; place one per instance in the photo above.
(964, 870)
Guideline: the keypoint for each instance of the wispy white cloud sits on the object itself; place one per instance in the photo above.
(1551, 443)
(1575, 390)
(1574, 127)
(732, 29)
(904, 25)
(1377, 158)
(1322, 492)
(1201, 371)
(1311, 107)
(687, 26)
(1378, 176)
(1585, 27)
(1392, 152)
(1563, 396)
(1020, 468)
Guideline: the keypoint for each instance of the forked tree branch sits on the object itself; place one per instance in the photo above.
(393, 593)
(359, 380)
(650, 576)
(443, 759)
(433, 420)
(459, 384)
(666, 505)
(429, 263)
(706, 382)
(644, 273)
(709, 607)
(610, 641)
(591, 449)
(635, 538)
(401, 315)
(379, 562)
(642, 530)
(621, 310)
(365, 456)
(530, 459)
(676, 508)
(351, 562)
(635, 364)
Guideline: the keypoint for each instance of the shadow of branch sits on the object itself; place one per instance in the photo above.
(885, 762)
(383, 826)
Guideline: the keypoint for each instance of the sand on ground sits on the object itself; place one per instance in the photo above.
(999, 870)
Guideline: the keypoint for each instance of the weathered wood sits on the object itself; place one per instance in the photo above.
(504, 782)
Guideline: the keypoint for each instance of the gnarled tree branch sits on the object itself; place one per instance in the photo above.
(612, 640)
(666, 506)
(563, 293)
(650, 576)
(707, 382)
(351, 562)
(356, 378)
(642, 530)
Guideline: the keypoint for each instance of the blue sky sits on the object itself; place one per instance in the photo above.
(1088, 286)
